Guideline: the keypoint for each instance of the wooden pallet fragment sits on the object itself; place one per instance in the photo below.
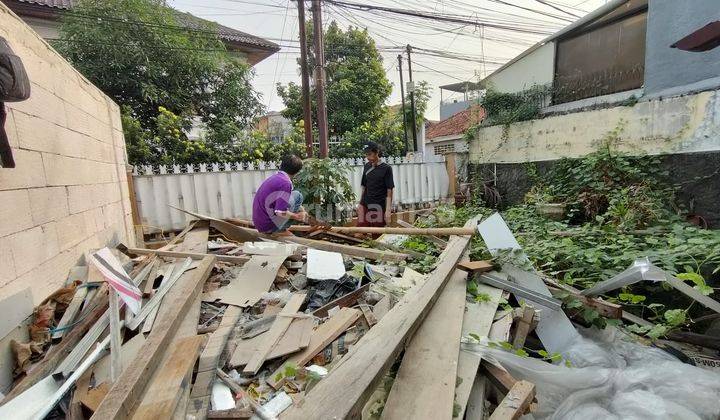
(516, 402)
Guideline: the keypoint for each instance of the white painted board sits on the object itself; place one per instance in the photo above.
(324, 265)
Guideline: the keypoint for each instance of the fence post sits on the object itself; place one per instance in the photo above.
(137, 224)
(451, 168)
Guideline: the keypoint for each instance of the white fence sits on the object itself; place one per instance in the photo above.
(227, 190)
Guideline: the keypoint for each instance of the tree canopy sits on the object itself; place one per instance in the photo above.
(356, 90)
(163, 74)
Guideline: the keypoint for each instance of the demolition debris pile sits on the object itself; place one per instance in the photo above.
(233, 324)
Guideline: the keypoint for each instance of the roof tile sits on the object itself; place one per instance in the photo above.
(456, 124)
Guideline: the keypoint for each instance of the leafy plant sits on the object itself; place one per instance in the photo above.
(507, 108)
(325, 184)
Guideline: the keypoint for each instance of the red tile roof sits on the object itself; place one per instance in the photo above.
(457, 124)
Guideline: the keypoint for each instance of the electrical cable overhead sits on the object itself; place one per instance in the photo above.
(557, 8)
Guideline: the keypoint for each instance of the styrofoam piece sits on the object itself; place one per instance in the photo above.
(222, 398)
(324, 265)
(269, 248)
(554, 328)
(275, 406)
(319, 370)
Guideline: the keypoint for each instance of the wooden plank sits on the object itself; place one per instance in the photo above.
(477, 319)
(173, 241)
(93, 397)
(150, 282)
(150, 320)
(382, 307)
(475, 409)
(123, 396)
(196, 240)
(193, 255)
(343, 301)
(502, 380)
(425, 383)
(368, 314)
(523, 327)
(273, 336)
(475, 266)
(128, 352)
(360, 370)
(295, 339)
(354, 251)
(164, 393)
(228, 229)
(404, 230)
(516, 402)
(323, 335)
(254, 278)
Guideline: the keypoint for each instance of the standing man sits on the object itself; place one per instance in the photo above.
(377, 184)
(276, 203)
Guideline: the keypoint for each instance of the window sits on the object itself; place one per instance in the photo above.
(603, 57)
(444, 149)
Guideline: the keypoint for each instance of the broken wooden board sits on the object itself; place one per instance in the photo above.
(425, 383)
(516, 402)
(123, 396)
(382, 307)
(196, 240)
(523, 327)
(93, 397)
(231, 231)
(271, 338)
(477, 319)
(475, 407)
(323, 335)
(165, 391)
(475, 266)
(360, 370)
(296, 338)
(253, 279)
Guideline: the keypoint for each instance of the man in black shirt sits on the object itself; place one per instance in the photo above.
(377, 190)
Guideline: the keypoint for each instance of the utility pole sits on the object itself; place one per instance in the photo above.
(402, 95)
(412, 101)
(320, 78)
(307, 104)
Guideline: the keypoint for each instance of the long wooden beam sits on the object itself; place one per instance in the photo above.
(343, 393)
(404, 229)
(194, 255)
(123, 398)
(355, 251)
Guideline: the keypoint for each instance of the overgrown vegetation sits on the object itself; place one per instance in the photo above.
(619, 208)
(506, 108)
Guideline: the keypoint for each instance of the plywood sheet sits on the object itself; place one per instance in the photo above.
(253, 279)
(296, 338)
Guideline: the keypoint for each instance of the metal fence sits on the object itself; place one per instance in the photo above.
(227, 190)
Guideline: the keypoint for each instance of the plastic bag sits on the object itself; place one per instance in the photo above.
(613, 378)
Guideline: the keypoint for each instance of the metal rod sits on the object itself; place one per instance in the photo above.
(412, 101)
(493, 280)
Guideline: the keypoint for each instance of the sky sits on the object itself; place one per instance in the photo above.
(476, 50)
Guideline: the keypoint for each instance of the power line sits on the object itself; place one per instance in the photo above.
(557, 8)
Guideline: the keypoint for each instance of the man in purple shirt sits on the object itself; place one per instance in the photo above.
(276, 204)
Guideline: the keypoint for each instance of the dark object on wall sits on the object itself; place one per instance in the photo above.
(704, 39)
(14, 87)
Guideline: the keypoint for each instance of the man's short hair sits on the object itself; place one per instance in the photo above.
(371, 146)
(291, 164)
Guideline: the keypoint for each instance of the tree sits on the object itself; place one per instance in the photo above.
(356, 85)
(140, 54)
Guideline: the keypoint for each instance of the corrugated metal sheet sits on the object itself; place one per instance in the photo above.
(227, 190)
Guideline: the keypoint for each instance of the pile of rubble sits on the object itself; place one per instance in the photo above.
(233, 324)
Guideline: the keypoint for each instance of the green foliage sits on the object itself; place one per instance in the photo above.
(138, 53)
(356, 90)
(325, 184)
(507, 108)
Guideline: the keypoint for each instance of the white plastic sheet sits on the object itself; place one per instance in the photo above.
(613, 378)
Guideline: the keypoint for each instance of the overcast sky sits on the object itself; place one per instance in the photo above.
(277, 20)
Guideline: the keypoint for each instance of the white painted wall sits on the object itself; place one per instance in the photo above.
(536, 68)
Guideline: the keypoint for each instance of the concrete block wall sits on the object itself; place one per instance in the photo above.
(68, 193)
